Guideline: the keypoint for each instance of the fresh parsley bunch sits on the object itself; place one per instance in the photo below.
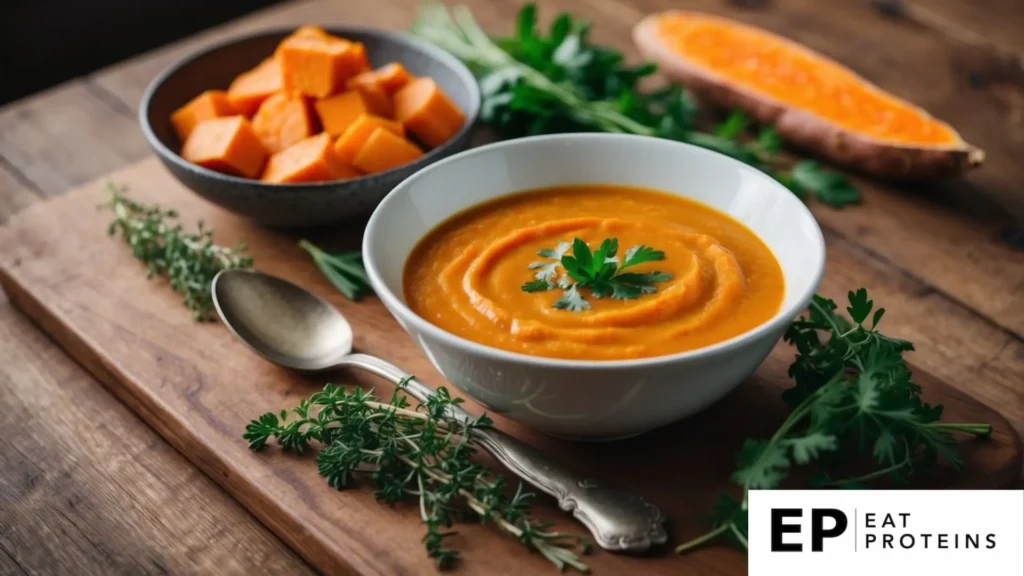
(853, 394)
(416, 452)
(536, 83)
(598, 271)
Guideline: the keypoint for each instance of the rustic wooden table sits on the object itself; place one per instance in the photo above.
(86, 487)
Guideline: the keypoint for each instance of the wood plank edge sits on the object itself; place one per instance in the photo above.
(150, 410)
(1013, 472)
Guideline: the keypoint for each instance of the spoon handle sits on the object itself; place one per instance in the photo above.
(619, 522)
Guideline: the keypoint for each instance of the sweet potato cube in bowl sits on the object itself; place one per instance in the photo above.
(227, 145)
(427, 112)
(283, 120)
(338, 112)
(209, 104)
(390, 78)
(319, 67)
(249, 89)
(309, 160)
(355, 136)
(385, 150)
(287, 197)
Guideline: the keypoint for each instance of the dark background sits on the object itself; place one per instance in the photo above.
(45, 42)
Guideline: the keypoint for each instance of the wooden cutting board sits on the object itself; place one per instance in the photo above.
(198, 387)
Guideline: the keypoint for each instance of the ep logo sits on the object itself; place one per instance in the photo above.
(823, 523)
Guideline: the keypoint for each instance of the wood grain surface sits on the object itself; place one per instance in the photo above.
(197, 386)
(930, 254)
(85, 486)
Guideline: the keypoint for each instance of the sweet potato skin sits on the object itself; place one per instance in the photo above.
(903, 162)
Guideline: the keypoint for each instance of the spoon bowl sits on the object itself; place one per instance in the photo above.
(280, 321)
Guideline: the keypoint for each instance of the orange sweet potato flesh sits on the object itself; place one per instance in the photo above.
(319, 66)
(355, 136)
(309, 160)
(427, 112)
(227, 145)
(309, 30)
(812, 100)
(390, 78)
(338, 112)
(283, 120)
(209, 104)
(385, 150)
(249, 89)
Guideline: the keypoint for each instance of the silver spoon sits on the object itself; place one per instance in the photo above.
(294, 328)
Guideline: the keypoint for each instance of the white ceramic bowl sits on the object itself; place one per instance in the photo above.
(594, 399)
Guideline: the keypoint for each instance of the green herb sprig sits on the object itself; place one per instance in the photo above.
(536, 83)
(598, 271)
(344, 269)
(189, 260)
(418, 453)
(853, 393)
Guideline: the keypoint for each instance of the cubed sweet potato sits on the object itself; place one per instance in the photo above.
(390, 77)
(309, 160)
(355, 136)
(209, 104)
(385, 150)
(283, 120)
(319, 67)
(249, 89)
(427, 112)
(338, 112)
(228, 145)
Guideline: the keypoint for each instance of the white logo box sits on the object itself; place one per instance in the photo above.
(933, 532)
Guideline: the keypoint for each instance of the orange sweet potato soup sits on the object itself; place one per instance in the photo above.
(683, 275)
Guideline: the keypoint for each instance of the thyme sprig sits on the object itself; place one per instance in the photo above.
(189, 260)
(418, 452)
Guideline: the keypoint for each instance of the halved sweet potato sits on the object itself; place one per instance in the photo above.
(811, 100)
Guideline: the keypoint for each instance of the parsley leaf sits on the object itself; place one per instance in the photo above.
(852, 393)
(599, 271)
(830, 188)
(557, 253)
(733, 126)
(572, 301)
(537, 286)
(768, 142)
(639, 255)
(546, 277)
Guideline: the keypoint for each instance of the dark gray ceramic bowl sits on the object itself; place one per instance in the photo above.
(295, 205)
